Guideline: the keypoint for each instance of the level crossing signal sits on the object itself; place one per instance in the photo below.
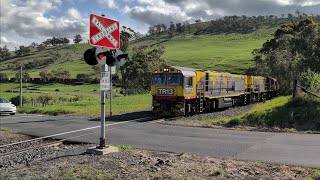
(99, 55)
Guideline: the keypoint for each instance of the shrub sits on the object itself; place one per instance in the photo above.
(235, 121)
(44, 100)
(3, 76)
(16, 100)
(310, 80)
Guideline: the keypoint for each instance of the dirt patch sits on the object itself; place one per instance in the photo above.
(73, 163)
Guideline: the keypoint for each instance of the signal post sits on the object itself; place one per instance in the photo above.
(105, 36)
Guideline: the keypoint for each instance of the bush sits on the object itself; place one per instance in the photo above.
(44, 100)
(310, 80)
(235, 121)
(16, 100)
(3, 76)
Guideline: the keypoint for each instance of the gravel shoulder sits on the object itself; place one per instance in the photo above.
(71, 162)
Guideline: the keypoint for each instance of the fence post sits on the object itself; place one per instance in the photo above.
(296, 89)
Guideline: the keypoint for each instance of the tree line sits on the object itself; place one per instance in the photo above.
(230, 24)
(26, 50)
(292, 53)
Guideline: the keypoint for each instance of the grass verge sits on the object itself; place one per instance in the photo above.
(4, 130)
(283, 112)
(122, 147)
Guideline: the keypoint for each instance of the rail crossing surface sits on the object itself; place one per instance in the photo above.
(281, 148)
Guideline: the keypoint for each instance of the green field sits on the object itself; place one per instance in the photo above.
(73, 99)
(86, 104)
(220, 52)
(54, 87)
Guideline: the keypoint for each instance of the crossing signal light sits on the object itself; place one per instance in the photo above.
(110, 60)
(90, 56)
(102, 56)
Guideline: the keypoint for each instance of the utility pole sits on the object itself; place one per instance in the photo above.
(20, 86)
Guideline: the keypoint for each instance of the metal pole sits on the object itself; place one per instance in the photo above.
(103, 115)
(20, 86)
(110, 90)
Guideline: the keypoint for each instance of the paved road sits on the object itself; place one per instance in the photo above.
(282, 148)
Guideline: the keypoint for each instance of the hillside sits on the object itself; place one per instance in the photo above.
(220, 52)
(68, 57)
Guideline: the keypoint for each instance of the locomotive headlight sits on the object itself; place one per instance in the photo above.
(166, 70)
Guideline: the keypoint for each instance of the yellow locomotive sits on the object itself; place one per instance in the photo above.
(181, 91)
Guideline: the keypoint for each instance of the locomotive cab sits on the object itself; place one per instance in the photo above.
(170, 87)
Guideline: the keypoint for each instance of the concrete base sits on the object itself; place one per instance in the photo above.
(107, 150)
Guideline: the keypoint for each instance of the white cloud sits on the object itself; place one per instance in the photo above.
(296, 2)
(152, 12)
(8, 42)
(73, 13)
(109, 3)
(28, 21)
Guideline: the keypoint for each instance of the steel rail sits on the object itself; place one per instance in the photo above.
(68, 132)
(45, 145)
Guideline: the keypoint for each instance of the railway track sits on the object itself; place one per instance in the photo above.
(21, 148)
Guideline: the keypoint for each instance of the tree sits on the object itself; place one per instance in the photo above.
(198, 20)
(171, 30)
(25, 75)
(4, 52)
(41, 47)
(138, 70)
(61, 73)
(124, 40)
(158, 29)
(3, 76)
(180, 28)
(33, 45)
(187, 25)
(163, 27)
(47, 42)
(65, 41)
(22, 51)
(45, 75)
(97, 70)
(84, 77)
(293, 50)
(54, 41)
(77, 39)
(151, 30)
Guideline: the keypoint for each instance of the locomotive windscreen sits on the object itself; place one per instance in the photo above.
(159, 79)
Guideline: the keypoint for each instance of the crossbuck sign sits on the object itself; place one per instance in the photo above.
(104, 32)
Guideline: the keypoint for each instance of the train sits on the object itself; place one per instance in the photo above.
(181, 91)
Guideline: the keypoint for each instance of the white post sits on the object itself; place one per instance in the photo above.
(20, 86)
(110, 90)
(103, 115)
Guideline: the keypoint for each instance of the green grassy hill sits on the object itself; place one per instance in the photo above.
(69, 57)
(220, 52)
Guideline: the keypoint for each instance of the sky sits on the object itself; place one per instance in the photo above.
(25, 21)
